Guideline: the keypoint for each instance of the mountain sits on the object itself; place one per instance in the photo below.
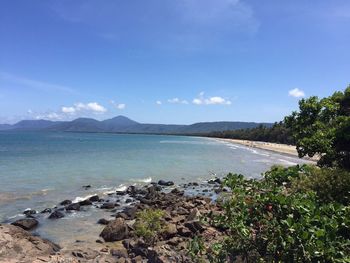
(33, 125)
(122, 124)
(4, 127)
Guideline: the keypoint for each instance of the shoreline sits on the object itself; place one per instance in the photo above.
(181, 204)
(269, 146)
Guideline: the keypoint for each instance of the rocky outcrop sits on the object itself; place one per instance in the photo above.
(18, 245)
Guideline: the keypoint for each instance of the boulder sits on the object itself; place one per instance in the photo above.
(130, 212)
(26, 224)
(56, 215)
(29, 212)
(116, 230)
(165, 183)
(94, 198)
(66, 202)
(215, 181)
(85, 202)
(46, 210)
(74, 206)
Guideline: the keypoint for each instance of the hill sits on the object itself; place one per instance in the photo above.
(122, 124)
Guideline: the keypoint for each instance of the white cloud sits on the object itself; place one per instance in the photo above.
(296, 93)
(177, 101)
(121, 106)
(158, 102)
(49, 116)
(93, 107)
(68, 110)
(215, 100)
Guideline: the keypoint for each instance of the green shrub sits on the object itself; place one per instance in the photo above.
(149, 224)
(330, 185)
(266, 222)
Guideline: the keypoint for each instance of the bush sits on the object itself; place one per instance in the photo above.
(149, 224)
(266, 222)
(330, 185)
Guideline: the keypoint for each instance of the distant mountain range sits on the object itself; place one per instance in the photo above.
(122, 124)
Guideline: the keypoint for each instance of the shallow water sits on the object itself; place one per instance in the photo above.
(38, 169)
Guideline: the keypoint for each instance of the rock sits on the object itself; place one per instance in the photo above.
(85, 202)
(115, 230)
(107, 206)
(18, 245)
(137, 259)
(56, 214)
(86, 186)
(103, 221)
(29, 212)
(130, 212)
(94, 198)
(170, 231)
(66, 202)
(165, 183)
(74, 206)
(182, 211)
(184, 231)
(194, 226)
(129, 200)
(26, 224)
(46, 210)
(177, 192)
(120, 192)
(120, 253)
(214, 181)
(194, 214)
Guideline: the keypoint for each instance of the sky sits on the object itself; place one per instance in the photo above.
(169, 61)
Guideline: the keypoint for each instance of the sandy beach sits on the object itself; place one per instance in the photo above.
(274, 147)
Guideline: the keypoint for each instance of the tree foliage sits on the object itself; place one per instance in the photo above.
(267, 221)
(322, 127)
(278, 133)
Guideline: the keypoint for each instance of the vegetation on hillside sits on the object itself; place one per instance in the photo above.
(295, 214)
(278, 133)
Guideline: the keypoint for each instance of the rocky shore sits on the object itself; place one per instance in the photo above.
(183, 209)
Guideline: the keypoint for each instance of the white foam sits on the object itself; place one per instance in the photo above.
(144, 180)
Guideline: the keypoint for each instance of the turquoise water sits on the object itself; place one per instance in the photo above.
(38, 170)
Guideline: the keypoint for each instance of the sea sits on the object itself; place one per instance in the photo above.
(40, 169)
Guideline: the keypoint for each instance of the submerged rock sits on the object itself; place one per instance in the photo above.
(107, 206)
(56, 215)
(29, 212)
(46, 210)
(116, 230)
(26, 224)
(74, 206)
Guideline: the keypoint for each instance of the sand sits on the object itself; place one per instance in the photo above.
(274, 147)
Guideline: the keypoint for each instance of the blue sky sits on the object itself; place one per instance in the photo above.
(169, 61)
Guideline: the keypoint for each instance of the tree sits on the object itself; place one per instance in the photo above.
(322, 127)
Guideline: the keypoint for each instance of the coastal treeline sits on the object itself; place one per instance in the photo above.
(278, 133)
(294, 214)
